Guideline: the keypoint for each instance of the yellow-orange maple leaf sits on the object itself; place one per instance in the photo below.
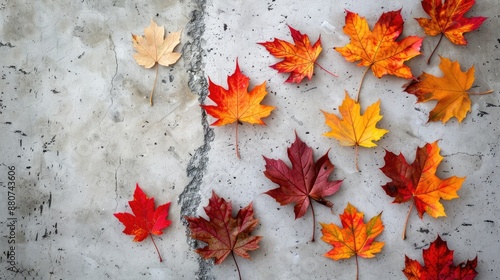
(236, 104)
(448, 20)
(355, 238)
(418, 181)
(378, 49)
(450, 91)
(354, 129)
(153, 49)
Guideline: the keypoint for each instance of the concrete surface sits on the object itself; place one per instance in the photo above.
(77, 127)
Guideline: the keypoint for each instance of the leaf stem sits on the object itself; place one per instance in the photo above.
(235, 262)
(154, 85)
(154, 243)
(314, 221)
(237, 148)
(440, 38)
(357, 268)
(480, 93)
(356, 157)
(333, 74)
(361, 83)
(406, 222)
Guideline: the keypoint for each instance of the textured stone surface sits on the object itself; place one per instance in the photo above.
(77, 126)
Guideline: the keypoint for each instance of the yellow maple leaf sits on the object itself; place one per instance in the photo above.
(450, 91)
(153, 49)
(354, 129)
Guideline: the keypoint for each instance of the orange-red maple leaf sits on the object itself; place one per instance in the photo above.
(448, 20)
(235, 104)
(299, 58)
(378, 49)
(355, 238)
(450, 91)
(306, 179)
(438, 264)
(145, 220)
(418, 181)
(222, 233)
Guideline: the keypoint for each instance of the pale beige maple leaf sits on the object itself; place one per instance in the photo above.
(154, 49)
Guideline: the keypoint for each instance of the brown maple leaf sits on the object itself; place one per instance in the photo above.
(448, 20)
(378, 49)
(299, 58)
(224, 234)
(235, 104)
(438, 260)
(145, 220)
(355, 238)
(354, 129)
(450, 91)
(418, 181)
(153, 49)
(306, 179)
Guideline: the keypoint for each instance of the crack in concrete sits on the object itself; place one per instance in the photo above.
(113, 48)
(479, 155)
(190, 199)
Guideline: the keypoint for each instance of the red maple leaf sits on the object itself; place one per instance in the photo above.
(306, 180)
(223, 233)
(145, 220)
(438, 260)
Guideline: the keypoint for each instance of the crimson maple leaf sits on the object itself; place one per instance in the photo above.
(145, 220)
(223, 233)
(306, 179)
(438, 260)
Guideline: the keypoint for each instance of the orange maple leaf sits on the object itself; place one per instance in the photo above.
(236, 104)
(418, 181)
(378, 49)
(152, 49)
(438, 260)
(224, 234)
(355, 129)
(450, 91)
(355, 238)
(448, 20)
(299, 58)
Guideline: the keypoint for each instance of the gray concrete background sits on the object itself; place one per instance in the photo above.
(77, 126)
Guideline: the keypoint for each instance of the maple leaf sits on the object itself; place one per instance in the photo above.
(153, 49)
(145, 220)
(306, 179)
(224, 234)
(236, 104)
(299, 57)
(355, 129)
(438, 260)
(378, 49)
(418, 181)
(450, 91)
(448, 20)
(355, 238)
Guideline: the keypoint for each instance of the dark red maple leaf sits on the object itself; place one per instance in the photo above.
(145, 220)
(438, 260)
(224, 234)
(306, 180)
